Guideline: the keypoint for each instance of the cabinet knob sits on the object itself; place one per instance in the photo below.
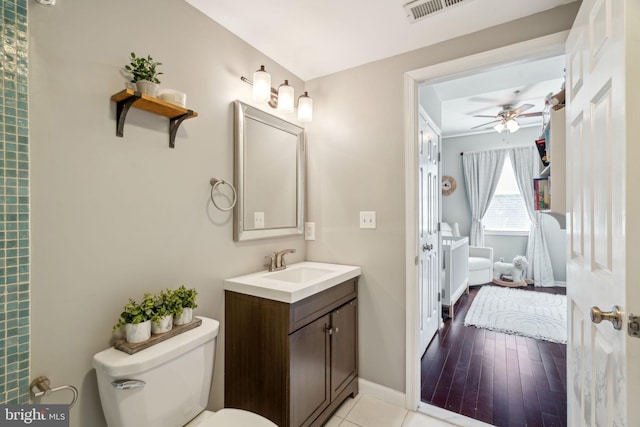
(331, 331)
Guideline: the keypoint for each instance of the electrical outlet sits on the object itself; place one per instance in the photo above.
(309, 231)
(367, 219)
(258, 220)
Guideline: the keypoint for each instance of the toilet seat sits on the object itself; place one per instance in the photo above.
(230, 418)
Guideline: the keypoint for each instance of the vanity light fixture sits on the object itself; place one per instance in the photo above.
(283, 98)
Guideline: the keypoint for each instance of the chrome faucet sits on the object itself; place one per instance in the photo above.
(276, 262)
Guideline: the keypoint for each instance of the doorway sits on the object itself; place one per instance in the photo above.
(522, 52)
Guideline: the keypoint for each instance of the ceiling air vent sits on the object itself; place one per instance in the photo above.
(420, 9)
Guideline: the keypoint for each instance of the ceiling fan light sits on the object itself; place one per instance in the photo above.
(512, 125)
(499, 127)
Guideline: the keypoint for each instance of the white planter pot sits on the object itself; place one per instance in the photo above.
(162, 325)
(184, 318)
(138, 332)
(147, 87)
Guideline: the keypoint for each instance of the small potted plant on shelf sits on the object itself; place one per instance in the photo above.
(187, 302)
(144, 74)
(136, 319)
(164, 307)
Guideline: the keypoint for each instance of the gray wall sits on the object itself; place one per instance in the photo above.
(455, 208)
(115, 217)
(356, 162)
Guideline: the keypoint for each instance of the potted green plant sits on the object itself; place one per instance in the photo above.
(136, 319)
(144, 73)
(186, 298)
(164, 308)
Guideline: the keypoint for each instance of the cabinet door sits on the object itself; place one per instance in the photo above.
(344, 346)
(309, 377)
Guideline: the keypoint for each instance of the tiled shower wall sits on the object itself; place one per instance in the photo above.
(14, 209)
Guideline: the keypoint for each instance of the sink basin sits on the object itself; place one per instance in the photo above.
(299, 275)
(296, 282)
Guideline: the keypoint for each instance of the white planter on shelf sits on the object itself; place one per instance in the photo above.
(138, 332)
(162, 325)
(147, 87)
(185, 317)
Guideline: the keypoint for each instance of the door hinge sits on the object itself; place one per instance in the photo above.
(633, 326)
(417, 259)
(439, 226)
(439, 153)
(438, 296)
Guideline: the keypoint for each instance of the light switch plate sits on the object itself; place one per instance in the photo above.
(309, 231)
(258, 220)
(367, 219)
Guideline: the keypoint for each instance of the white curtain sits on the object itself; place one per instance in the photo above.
(526, 165)
(481, 172)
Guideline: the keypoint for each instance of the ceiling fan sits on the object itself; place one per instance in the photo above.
(506, 118)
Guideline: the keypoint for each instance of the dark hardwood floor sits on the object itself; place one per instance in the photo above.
(504, 380)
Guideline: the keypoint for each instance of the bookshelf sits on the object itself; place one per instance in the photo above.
(551, 192)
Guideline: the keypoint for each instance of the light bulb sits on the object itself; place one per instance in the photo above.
(285, 97)
(305, 108)
(499, 127)
(512, 125)
(261, 85)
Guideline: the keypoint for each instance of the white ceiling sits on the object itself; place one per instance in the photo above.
(486, 93)
(314, 38)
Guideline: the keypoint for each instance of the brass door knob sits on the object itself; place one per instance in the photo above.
(614, 316)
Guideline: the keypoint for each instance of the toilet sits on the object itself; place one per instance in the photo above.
(167, 384)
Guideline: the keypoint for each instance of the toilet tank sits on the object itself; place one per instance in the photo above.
(170, 381)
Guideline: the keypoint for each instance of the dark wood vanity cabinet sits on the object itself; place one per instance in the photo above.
(292, 363)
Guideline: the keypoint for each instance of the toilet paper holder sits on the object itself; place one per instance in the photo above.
(41, 386)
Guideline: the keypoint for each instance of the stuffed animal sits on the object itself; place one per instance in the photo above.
(516, 269)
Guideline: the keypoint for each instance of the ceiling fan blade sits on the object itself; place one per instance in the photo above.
(537, 114)
(486, 124)
(483, 115)
(522, 108)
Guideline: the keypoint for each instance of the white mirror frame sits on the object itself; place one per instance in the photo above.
(240, 233)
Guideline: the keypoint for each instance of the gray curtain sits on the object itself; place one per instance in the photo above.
(526, 165)
(481, 173)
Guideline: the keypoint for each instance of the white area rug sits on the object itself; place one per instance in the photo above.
(515, 311)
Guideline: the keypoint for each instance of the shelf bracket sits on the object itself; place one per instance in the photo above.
(122, 108)
(174, 124)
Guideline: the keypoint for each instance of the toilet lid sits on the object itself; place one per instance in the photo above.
(235, 418)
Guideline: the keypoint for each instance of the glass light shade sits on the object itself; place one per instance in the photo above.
(305, 108)
(285, 97)
(261, 85)
(512, 125)
(499, 127)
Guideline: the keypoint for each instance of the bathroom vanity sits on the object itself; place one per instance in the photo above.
(291, 352)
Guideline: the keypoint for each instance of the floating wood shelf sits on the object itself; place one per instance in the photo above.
(129, 98)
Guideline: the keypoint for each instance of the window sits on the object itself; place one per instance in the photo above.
(507, 212)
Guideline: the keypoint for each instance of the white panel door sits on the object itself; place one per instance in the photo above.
(603, 260)
(428, 217)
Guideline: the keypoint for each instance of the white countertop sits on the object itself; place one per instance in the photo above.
(289, 285)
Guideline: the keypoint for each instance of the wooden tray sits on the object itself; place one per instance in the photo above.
(132, 348)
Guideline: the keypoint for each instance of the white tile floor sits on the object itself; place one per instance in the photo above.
(368, 411)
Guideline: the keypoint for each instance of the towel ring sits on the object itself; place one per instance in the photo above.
(215, 182)
(41, 386)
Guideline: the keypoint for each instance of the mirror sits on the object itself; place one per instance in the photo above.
(269, 175)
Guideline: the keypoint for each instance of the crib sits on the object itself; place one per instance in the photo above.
(455, 270)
